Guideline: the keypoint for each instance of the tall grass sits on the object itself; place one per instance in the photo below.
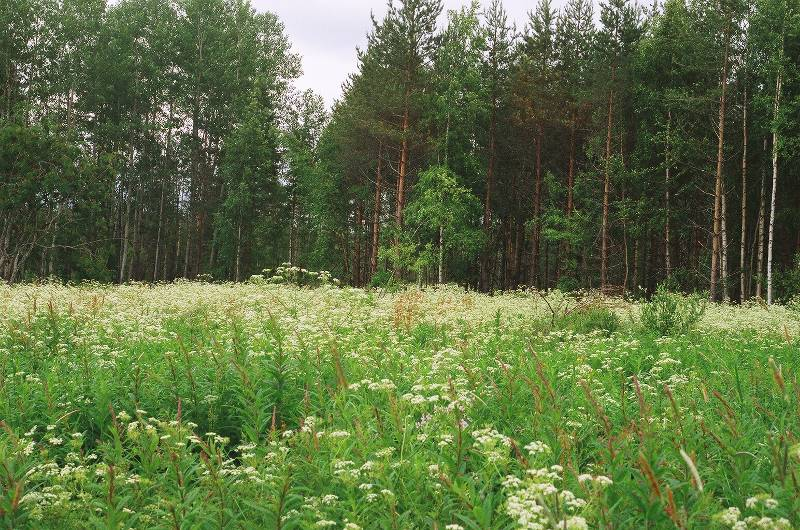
(269, 406)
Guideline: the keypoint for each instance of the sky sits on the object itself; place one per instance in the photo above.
(326, 32)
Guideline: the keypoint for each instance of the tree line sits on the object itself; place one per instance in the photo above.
(155, 139)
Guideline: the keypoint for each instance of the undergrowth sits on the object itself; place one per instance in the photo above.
(270, 406)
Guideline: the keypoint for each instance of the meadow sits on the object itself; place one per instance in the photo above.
(199, 405)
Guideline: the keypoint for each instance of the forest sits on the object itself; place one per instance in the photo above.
(613, 146)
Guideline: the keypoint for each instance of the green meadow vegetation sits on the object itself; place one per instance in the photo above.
(262, 405)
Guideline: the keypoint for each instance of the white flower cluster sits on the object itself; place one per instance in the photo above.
(537, 501)
(492, 444)
(732, 517)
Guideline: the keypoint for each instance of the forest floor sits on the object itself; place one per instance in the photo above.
(197, 405)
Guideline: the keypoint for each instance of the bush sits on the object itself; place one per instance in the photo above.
(787, 283)
(593, 318)
(385, 280)
(380, 279)
(669, 313)
(567, 284)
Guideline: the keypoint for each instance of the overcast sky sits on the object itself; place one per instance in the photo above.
(326, 33)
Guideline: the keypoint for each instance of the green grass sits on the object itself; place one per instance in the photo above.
(257, 406)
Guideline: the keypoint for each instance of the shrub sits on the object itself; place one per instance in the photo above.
(381, 278)
(567, 284)
(669, 313)
(387, 281)
(787, 283)
(593, 318)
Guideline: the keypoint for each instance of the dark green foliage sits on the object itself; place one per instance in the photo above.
(787, 282)
(168, 140)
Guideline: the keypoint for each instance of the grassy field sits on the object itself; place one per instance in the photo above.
(261, 406)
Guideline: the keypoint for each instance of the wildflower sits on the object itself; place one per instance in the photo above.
(385, 453)
(329, 499)
(537, 447)
(576, 523)
(28, 449)
(339, 434)
(603, 481)
(729, 516)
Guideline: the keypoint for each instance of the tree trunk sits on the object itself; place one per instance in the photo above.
(762, 212)
(125, 233)
(564, 266)
(636, 258)
(607, 186)
(743, 235)
(441, 254)
(186, 251)
(401, 175)
(178, 225)
(487, 204)
(158, 232)
(571, 168)
(667, 163)
(359, 221)
(376, 215)
(293, 230)
(724, 247)
(237, 273)
(625, 249)
(537, 205)
(717, 231)
(133, 267)
(774, 189)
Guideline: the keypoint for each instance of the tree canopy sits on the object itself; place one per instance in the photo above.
(153, 140)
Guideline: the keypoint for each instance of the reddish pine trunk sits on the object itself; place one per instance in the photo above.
(401, 173)
(376, 216)
(357, 245)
